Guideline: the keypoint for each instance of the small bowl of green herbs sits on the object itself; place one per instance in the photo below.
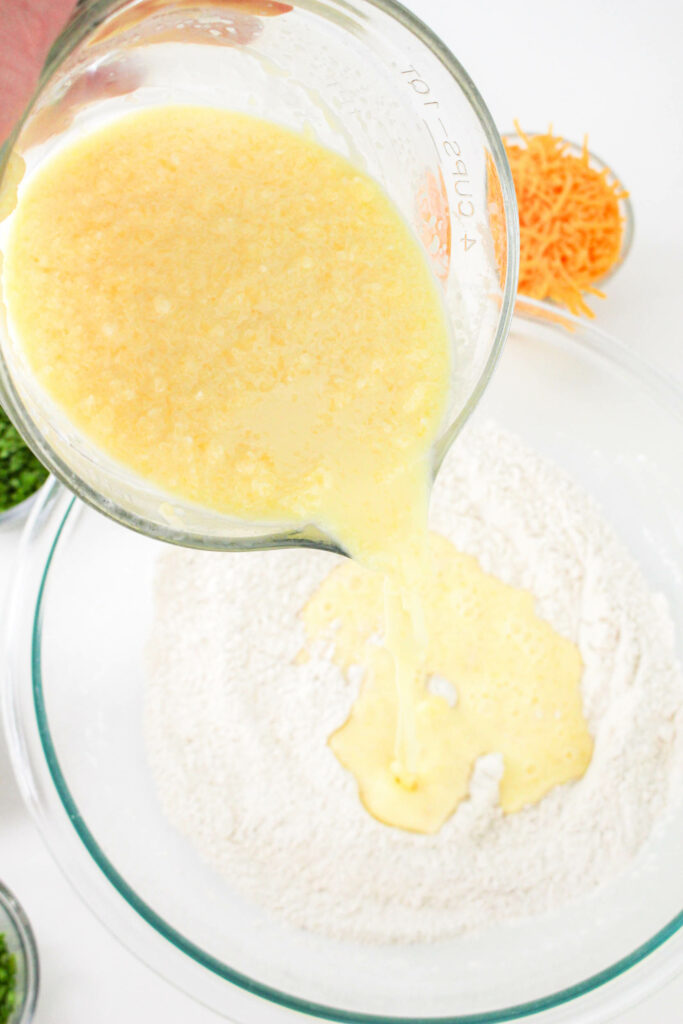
(18, 962)
(21, 475)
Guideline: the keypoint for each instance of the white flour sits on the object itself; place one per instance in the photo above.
(237, 732)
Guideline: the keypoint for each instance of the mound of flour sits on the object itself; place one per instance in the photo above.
(237, 731)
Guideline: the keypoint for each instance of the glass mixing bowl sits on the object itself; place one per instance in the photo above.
(79, 618)
(368, 80)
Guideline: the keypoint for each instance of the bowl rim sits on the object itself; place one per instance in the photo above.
(77, 29)
(581, 333)
(29, 949)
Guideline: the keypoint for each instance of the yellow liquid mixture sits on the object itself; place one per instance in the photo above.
(514, 681)
(242, 317)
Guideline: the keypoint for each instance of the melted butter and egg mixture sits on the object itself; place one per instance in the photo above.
(242, 317)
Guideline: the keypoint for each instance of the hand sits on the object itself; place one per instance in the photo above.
(28, 28)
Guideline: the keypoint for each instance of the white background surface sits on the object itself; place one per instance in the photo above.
(614, 69)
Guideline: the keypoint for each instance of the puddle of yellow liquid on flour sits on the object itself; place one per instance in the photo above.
(242, 317)
(515, 680)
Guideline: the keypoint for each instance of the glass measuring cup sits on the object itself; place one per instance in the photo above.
(367, 79)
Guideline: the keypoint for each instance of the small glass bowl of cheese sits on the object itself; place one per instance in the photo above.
(366, 80)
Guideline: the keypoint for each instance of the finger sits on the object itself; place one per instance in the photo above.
(28, 29)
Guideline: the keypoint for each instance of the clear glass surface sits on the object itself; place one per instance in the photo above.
(79, 619)
(370, 81)
(17, 514)
(15, 926)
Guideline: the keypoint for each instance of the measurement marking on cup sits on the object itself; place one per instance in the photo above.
(448, 150)
(425, 122)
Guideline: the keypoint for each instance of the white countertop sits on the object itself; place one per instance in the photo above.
(609, 67)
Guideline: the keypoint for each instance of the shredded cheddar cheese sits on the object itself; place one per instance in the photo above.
(570, 221)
